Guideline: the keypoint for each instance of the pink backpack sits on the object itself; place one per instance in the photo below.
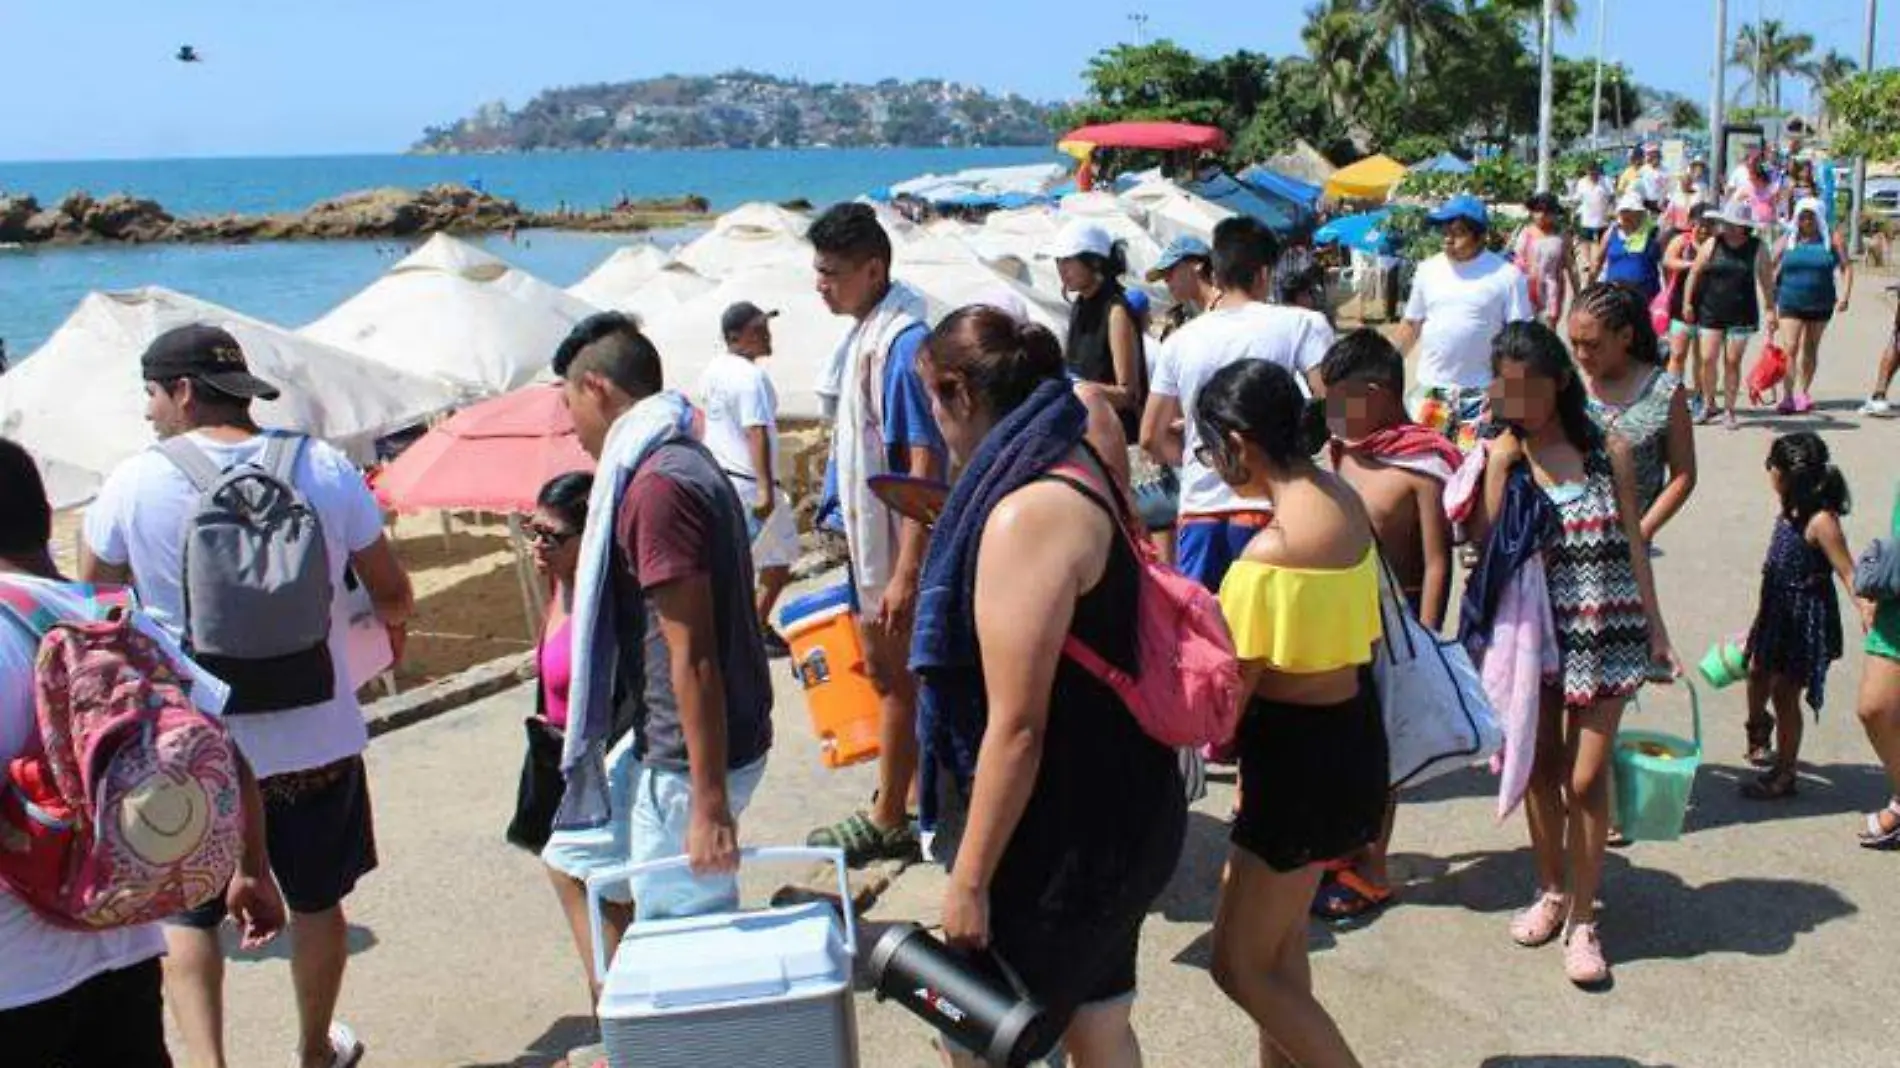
(128, 811)
(1188, 693)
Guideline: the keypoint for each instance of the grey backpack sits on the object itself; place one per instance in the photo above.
(256, 579)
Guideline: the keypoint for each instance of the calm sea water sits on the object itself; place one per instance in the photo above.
(293, 283)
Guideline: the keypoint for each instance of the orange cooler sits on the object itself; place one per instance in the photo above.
(828, 657)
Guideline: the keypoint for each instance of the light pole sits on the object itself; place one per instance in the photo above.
(1544, 93)
(1596, 89)
(1718, 95)
(1141, 28)
(1855, 241)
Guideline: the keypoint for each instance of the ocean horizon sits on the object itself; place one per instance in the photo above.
(292, 283)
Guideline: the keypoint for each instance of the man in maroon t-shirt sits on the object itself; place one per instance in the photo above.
(692, 689)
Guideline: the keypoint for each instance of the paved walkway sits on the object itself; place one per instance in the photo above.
(1765, 936)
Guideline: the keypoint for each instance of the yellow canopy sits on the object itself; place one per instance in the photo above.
(1369, 179)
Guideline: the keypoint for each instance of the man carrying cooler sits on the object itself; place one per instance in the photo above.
(670, 709)
(883, 426)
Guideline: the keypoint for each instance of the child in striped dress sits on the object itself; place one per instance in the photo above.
(1609, 628)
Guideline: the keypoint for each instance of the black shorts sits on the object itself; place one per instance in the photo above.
(1808, 315)
(113, 1020)
(320, 835)
(1313, 779)
(1591, 233)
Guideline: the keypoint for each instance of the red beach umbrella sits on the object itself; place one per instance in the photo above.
(492, 457)
(1158, 136)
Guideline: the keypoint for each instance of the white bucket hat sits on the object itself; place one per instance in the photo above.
(1077, 238)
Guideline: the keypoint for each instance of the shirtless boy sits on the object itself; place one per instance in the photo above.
(1399, 468)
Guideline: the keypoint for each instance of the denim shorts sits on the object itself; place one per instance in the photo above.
(652, 808)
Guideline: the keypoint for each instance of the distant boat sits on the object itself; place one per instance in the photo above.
(188, 54)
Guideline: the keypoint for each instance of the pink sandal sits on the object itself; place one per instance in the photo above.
(1584, 962)
(1541, 922)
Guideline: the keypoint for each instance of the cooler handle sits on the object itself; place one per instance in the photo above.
(600, 880)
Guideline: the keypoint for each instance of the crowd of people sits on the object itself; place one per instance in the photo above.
(1756, 256)
(1279, 464)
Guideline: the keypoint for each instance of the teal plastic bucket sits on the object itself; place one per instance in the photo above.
(1655, 774)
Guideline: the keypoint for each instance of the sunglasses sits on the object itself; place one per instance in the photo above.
(553, 539)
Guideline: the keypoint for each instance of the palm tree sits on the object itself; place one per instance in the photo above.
(1407, 30)
(1770, 53)
(1532, 11)
(1824, 74)
(1336, 37)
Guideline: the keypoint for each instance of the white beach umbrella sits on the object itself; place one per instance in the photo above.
(1168, 211)
(950, 274)
(78, 403)
(629, 268)
(456, 312)
(748, 237)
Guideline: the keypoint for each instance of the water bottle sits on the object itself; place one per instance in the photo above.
(961, 995)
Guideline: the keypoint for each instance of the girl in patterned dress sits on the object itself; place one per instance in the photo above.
(1609, 629)
(1797, 630)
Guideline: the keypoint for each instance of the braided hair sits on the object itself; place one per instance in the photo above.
(1810, 484)
(1621, 309)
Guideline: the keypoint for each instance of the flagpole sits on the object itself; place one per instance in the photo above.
(1718, 99)
(1856, 244)
(1544, 92)
(1596, 90)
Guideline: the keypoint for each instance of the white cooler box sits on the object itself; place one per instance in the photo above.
(764, 989)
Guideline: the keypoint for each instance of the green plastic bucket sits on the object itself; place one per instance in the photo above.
(1724, 664)
(1655, 774)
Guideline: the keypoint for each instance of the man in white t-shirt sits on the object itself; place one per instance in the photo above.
(85, 997)
(741, 409)
(1215, 524)
(308, 760)
(1652, 181)
(1461, 298)
(1594, 194)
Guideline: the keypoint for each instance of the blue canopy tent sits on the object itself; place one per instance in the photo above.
(1281, 214)
(1443, 163)
(1282, 186)
(1364, 233)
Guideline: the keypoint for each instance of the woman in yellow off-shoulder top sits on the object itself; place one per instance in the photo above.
(1303, 604)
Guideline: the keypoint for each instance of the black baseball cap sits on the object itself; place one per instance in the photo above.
(205, 354)
(741, 315)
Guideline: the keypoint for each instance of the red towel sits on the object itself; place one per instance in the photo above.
(1408, 445)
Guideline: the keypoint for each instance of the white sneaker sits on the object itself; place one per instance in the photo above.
(1878, 407)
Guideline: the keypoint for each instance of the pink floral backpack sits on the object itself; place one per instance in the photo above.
(128, 811)
(1188, 692)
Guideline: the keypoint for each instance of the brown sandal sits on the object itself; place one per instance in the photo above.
(1774, 786)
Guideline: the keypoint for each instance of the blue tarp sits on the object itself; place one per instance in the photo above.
(1281, 214)
(1443, 163)
(1282, 186)
(1361, 232)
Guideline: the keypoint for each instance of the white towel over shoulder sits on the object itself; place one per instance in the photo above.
(858, 439)
(649, 424)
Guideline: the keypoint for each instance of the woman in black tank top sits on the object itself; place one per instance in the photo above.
(1075, 817)
(1724, 299)
(1104, 343)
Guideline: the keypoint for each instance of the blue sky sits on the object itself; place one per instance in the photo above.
(330, 76)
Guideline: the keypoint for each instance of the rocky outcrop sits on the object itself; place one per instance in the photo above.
(376, 213)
